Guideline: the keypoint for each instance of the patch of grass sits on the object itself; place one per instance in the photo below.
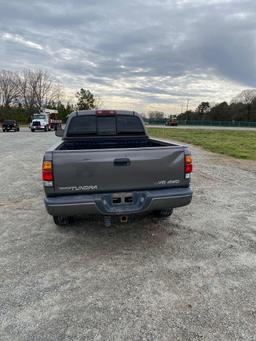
(239, 144)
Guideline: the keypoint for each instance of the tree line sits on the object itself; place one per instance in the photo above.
(241, 108)
(27, 92)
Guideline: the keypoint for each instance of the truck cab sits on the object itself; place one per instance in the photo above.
(40, 122)
(45, 120)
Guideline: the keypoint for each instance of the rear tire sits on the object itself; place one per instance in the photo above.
(46, 128)
(163, 213)
(33, 130)
(62, 220)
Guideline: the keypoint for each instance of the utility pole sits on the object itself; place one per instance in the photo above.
(188, 100)
(187, 110)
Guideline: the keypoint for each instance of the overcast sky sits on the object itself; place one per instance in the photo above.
(135, 54)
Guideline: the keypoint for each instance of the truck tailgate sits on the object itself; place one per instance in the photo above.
(85, 171)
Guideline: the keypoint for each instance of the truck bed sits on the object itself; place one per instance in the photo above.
(113, 143)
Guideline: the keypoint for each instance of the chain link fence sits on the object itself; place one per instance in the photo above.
(233, 123)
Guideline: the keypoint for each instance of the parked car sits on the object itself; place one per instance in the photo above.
(107, 164)
(9, 125)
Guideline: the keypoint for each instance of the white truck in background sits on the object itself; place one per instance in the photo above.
(45, 120)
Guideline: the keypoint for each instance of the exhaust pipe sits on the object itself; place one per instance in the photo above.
(124, 219)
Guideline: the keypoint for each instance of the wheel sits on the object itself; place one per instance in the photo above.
(62, 220)
(33, 130)
(3, 130)
(46, 128)
(18, 129)
(163, 213)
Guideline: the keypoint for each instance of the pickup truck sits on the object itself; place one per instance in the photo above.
(107, 164)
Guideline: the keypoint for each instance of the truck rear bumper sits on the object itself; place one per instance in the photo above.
(143, 201)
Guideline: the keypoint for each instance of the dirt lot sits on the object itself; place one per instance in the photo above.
(190, 277)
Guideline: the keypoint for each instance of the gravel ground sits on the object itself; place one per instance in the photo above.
(189, 277)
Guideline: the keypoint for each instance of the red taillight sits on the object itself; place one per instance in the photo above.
(47, 171)
(105, 112)
(47, 176)
(189, 168)
(188, 164)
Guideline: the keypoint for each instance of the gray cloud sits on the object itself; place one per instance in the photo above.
(156, 52)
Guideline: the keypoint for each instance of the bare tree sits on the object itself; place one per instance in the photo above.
(55, 94)
(98, 103)
(26, 89)
(156, 115)
(8, 87)
(37, 88)
(246, 97)
(46, 90)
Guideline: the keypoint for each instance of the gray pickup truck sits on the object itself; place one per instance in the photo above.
(107, 164)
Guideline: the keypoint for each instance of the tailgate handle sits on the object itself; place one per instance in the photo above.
(122, 162)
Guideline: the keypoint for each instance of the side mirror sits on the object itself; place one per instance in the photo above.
(59, 132)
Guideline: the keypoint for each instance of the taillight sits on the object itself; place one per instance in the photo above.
(105, 112)
(47, 171)
(188, 164)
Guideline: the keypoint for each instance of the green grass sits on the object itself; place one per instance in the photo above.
(239, 144)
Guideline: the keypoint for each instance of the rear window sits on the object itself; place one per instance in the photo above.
(129, 124)
(105, 125)
(8, 122)
(82, 125)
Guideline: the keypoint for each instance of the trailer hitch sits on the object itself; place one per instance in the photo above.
(107, 221)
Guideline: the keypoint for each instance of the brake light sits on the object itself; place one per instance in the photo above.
(188, 164)
(105, 112)
(47, 171)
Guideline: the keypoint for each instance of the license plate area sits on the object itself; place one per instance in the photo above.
(122, 198)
